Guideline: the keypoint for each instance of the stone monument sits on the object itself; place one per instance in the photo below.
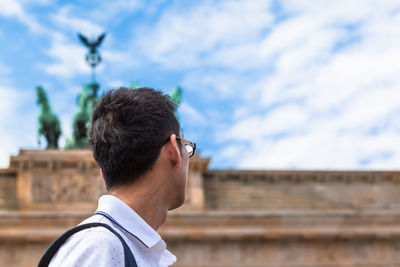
(229, 218)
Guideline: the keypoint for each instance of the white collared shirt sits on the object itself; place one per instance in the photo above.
(98, 247)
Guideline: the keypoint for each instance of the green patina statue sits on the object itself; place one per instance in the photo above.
(176, 97)
(49, 125)
(87, 99)
(134, 85)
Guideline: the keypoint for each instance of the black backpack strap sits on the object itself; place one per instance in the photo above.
(53, 248)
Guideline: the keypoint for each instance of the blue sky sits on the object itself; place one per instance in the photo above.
(267, 84)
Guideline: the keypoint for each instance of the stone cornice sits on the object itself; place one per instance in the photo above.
(208, 226)
(8, 172)
(198, 164)
(52, 160)
(280, 176)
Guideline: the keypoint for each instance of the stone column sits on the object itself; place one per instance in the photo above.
(195, 191)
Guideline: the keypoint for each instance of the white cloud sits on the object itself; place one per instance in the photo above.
(119, 59)
(191, 115)
(12, 8)
(115, 10)
(341, 11)
(116, 84)
(284, 119)
(13, 101)
(36, 2)
(323, 150)
(369, 109)
(348, 95)
(220, 84)
(192, 38)
(65, 19)
(288, 34)
(69, 60)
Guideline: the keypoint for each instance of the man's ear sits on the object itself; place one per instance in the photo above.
(101, 174)
(173, 152)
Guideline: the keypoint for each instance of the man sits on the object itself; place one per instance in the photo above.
(144, 162)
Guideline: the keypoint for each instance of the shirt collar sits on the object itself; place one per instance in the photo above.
(120, 213)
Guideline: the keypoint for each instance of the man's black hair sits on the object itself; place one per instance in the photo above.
(127, 131)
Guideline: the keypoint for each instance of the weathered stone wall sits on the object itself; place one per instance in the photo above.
(8, 190)
(288, 253)
(25, 235)
(285, 239)
(19, 254)
(300, 239)
(301, 190)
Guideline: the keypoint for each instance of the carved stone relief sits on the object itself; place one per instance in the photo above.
(42, 188)
(64, 188)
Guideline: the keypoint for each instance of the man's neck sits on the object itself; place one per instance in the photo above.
(147, 201)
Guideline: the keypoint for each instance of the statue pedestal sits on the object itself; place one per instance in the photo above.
(57, 180)
(69, 180)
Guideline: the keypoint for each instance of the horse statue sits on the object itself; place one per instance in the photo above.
(49, 125)
(87, 99)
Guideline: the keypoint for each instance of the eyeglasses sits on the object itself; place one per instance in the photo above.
(189, 146)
